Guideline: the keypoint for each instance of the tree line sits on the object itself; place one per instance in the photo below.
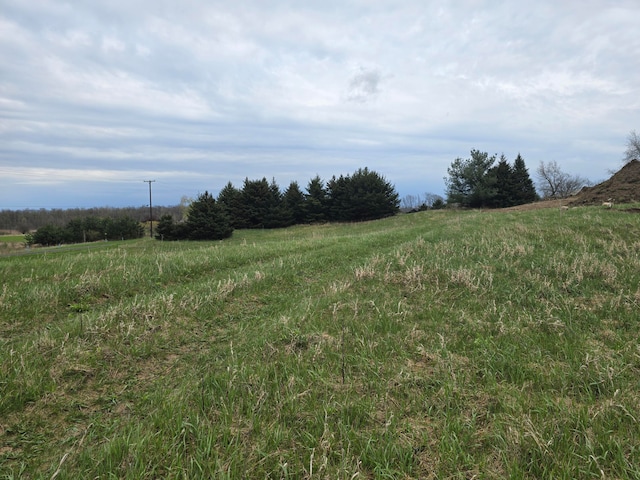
(364, 195)
(475, 182)
(88, 229)
(418, 203)
(28, 220)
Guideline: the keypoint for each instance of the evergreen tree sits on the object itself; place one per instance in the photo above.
(372, 196)
(293, 200)
(438, 204)
(365, 195)
(230, 198)
(123, 228)
(524, 190)
(207, 220)
(470, 182)
(256, 201)
(504, 185)
(316, 201)
(94, 229)
(277, 216)
(75, 231)
(338, 200)
(89, 229)
(47, 235)
(166, 228)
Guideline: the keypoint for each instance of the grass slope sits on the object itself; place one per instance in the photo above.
(433, 345)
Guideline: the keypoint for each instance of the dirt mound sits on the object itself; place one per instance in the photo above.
(622, 187)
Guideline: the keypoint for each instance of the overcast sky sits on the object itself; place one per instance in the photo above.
(98, 96)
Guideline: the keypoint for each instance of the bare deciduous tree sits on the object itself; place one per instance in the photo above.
(633, 148)
(431, 199)
(554, 183)
(409, 202)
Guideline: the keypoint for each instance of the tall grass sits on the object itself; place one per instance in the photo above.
(432, 345)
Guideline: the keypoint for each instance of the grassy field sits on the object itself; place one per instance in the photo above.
(11, 243)
(433, 345)
(12, 238)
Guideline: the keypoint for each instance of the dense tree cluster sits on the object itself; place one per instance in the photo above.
(477, 182)
(364, 195)
(206, 220)
(88, 229)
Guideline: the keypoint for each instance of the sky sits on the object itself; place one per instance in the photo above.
(98, 97)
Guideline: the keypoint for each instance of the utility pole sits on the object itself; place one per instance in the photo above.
(150, 205)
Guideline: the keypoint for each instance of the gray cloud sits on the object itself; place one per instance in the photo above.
(364, 86)
(196, 94)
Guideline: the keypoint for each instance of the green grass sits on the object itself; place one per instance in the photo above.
(12, 238)
(11, 243)
(433, 345)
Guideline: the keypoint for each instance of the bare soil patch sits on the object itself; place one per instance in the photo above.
(555, 203)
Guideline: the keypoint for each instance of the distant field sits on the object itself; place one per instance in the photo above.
(448, 344)
(11, 238)
(11, 243)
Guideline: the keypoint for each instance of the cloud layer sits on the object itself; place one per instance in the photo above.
(96, 97)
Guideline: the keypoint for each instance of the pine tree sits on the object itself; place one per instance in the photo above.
(125, 228)
(316, 201)
(524, 190)
(276, 216)
(293, 200)
(166, 229)
(470, 181)
(74, 231)
(339, 199)
(372, 196)
(254, 203)
(207, 220)
(230, 198)
(504, 185)
(47, 235)
(365, 195)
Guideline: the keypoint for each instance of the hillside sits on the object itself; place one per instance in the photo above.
(622, 187)
(442, 344)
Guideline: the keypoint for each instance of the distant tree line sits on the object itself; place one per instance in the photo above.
(88, 229)
(478, 182)
(28, 220)
(364, 195)
(417, 203)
